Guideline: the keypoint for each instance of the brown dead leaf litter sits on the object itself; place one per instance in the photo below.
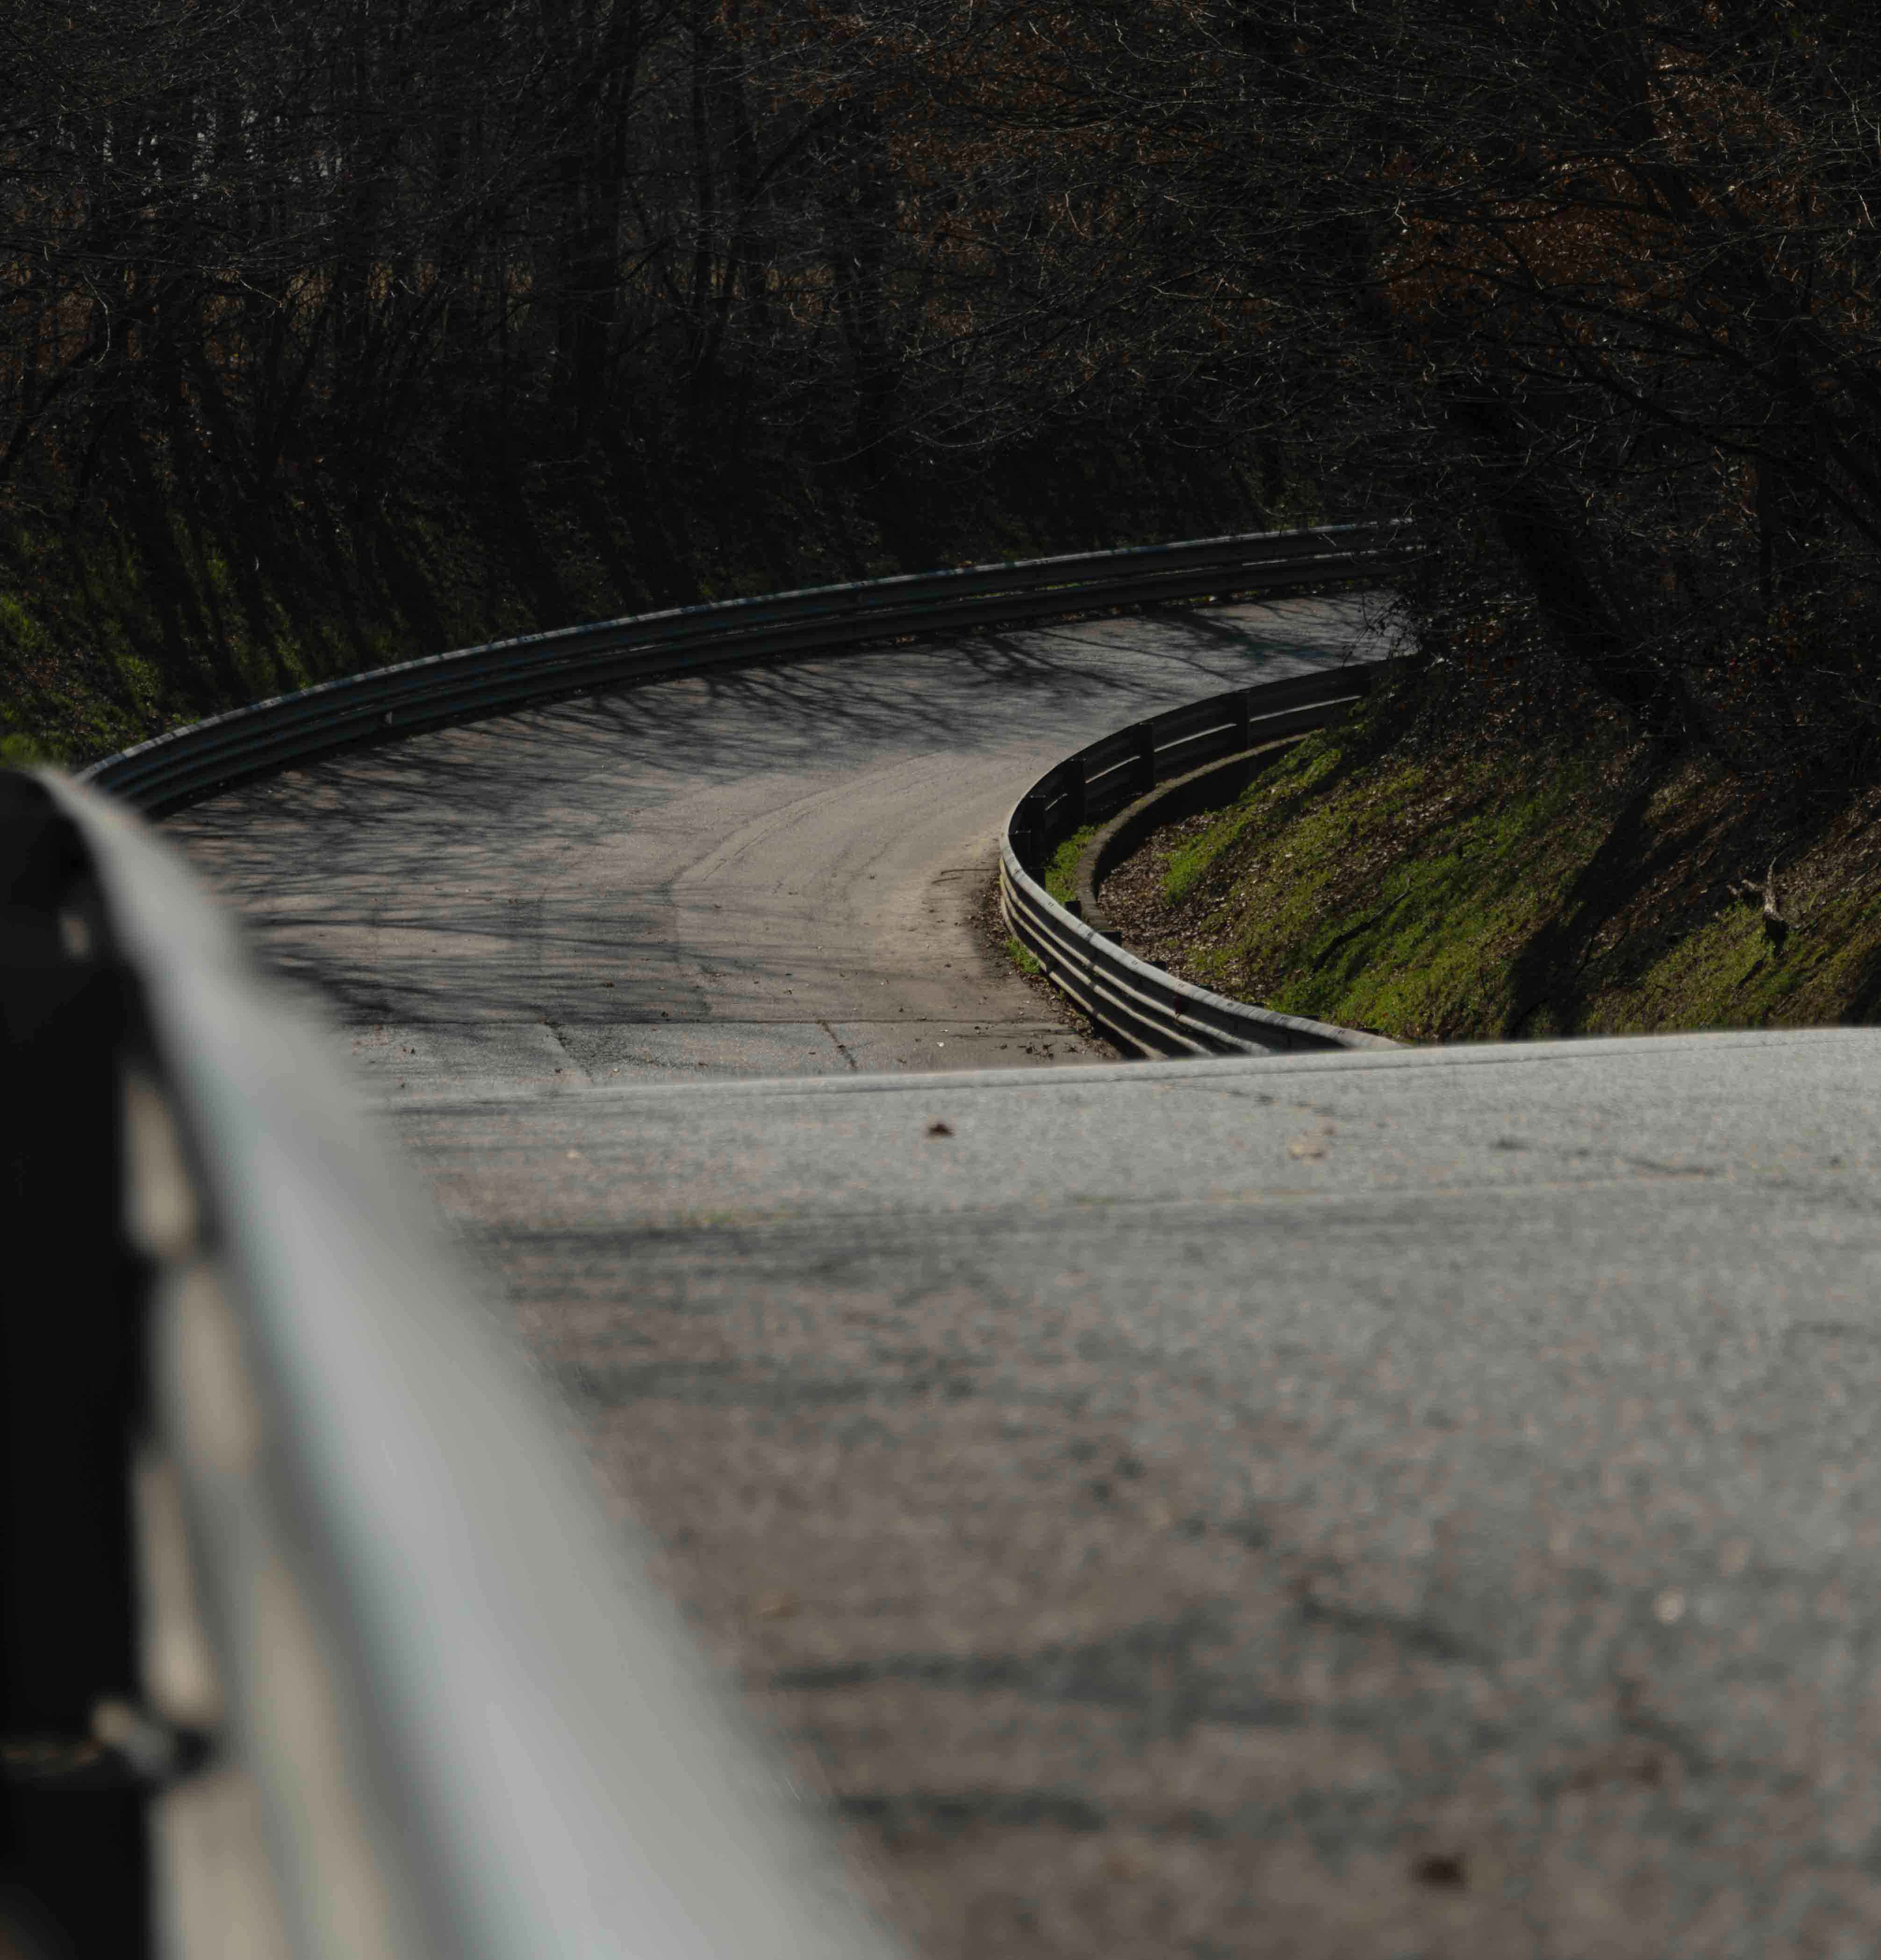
(1499, 883)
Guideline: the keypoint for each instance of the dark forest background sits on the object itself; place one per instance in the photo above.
(332, 332)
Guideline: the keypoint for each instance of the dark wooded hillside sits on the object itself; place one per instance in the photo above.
(414, 315)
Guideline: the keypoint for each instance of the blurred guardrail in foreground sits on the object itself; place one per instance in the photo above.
(1134, 1003)
(314, 1641)
(192, 762)
(317, 1640)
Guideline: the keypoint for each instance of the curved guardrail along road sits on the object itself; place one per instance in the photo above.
(1376, 1504)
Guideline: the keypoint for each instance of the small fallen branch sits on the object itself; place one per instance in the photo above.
(1775, 926)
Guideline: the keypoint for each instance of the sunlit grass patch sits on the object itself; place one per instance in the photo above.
(1061, 875)
(1022, 957)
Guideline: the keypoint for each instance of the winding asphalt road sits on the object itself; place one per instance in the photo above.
(1375, 1504)
(773, 871)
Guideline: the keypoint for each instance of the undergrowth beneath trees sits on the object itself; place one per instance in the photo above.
(139, 615)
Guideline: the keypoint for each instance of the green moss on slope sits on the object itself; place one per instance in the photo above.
(1449, 892)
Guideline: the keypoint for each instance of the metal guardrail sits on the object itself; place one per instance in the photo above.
(1134, 1003)
(193, 761)
(384, 1687)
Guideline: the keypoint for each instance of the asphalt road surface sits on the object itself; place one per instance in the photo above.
(767, 872)
(1376, 1504)
(1359, 1505)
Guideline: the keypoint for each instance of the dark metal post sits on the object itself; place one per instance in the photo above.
(1028, 834)
(1073, 774)
(71, 1367)
(1145, 734)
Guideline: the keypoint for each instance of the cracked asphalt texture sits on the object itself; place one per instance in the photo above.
(1377, 1504)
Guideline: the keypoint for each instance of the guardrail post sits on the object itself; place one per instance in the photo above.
(1145, 734)
(1073, 773)
(1243, 721)
(71, 1355)
(1028, 833)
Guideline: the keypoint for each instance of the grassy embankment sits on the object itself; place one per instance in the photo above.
(1449, 890)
